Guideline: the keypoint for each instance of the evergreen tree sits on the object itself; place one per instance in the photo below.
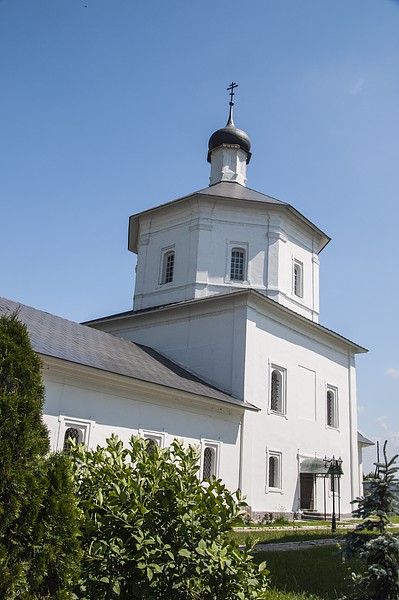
(38, 532)
(377, 548)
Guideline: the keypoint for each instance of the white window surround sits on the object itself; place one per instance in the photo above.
(156, 436)
(274, 471)
(297, 278)
(277, 397)
(331, 407)
(237, 246)
(167, 266)
(83, 426)
(210, 459)
(237, 264)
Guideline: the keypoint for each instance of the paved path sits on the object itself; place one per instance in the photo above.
(286, 546)
(305, 545)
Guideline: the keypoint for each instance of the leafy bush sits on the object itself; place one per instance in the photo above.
(376, 548)
(152, 530)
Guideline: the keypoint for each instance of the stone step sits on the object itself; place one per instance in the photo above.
(313, 515)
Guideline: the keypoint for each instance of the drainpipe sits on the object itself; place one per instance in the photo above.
(241, 458)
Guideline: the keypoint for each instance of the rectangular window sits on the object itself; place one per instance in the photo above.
(277, 400)
(274, 471)
(237, 268)
(332, 407)
(237, 264)
(209, 461)
(167, 265)
(298, 279)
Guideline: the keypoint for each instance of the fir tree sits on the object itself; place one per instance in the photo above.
(377, 548)
(38, 533)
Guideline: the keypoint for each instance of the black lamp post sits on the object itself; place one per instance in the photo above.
(335, 471)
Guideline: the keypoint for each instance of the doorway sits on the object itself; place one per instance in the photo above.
(307, 491)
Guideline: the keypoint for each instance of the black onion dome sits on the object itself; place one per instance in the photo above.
(230, 135)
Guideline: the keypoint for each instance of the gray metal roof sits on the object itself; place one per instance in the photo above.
(230, 190)
(363, 441)
(314, 466)
(317, 327)
(59, 338)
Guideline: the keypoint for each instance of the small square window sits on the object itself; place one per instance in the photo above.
(152, 441)
(70, 429)
(153, 438)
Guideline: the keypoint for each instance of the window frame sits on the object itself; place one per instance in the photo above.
(164, 276)
(277, 457)
(235, 267)
(282, 400)
(233, 246)
(215, 448)
(330, 389)
(156, 436)
(84, 426)
(297, 278)
(66, 446)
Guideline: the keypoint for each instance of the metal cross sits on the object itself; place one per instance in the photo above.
(231, 88)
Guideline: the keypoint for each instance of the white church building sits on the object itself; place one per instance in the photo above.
(222, 349)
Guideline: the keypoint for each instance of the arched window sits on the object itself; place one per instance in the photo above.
(298, 279)
(151, 444)
(168, 267)
(209, 463)
(274, 471)
(71, 434)
(152, 440)
(276, 403)
(237, 264)
(331, 408)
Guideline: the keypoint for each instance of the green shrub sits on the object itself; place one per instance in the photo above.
(152, 530)
(377, 549)
(39, 550)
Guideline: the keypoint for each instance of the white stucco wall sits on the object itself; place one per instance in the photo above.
(105, 404)
(202, 232)
(310, 365)
(231, 342)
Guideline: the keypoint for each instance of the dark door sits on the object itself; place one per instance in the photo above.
(307, 491)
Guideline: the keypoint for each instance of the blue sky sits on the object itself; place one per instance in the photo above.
(106, 110)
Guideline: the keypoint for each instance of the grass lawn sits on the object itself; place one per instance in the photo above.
(282, 535)
(317, 574)
(311, 574)
(289, 534)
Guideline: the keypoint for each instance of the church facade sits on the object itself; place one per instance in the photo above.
(222, 348)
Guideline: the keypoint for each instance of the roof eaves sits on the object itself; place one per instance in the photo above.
(268, 200)
(259, 295)
(209, 398)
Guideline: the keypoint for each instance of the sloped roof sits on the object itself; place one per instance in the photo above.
(232, 189)
(59, 338)
(363, 441)
(234, 293)
(229, 190)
